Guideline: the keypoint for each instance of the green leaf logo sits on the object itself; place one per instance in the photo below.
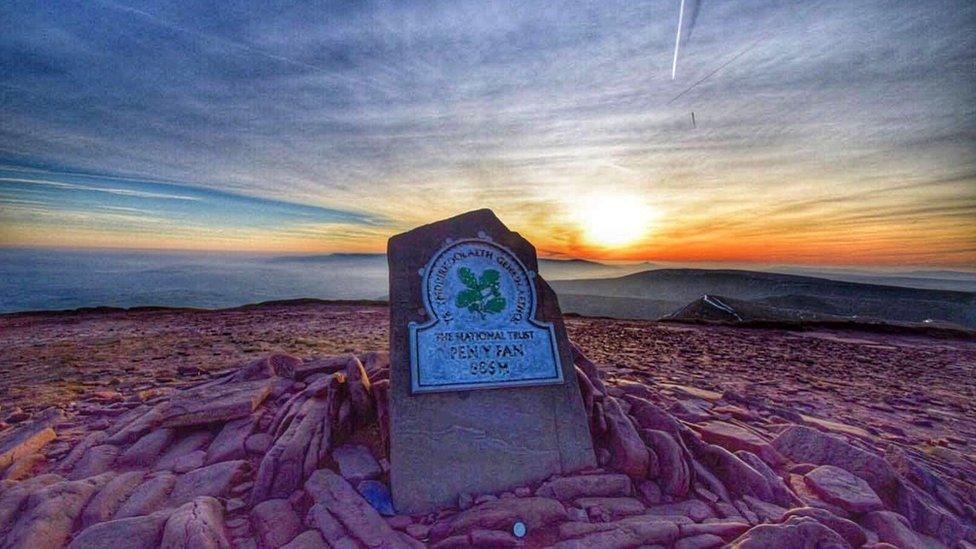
(482, 295)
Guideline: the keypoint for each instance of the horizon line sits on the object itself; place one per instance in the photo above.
(542, 256)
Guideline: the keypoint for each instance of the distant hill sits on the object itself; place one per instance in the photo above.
(798, 294)
(962, 281)
(715, 309)
(567, 269)
(551, 269)
(326, 258)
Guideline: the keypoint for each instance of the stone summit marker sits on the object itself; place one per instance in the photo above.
(483, 391)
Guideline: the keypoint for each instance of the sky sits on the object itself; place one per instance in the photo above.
(825, 133)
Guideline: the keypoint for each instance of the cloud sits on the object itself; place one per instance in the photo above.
(398, 113)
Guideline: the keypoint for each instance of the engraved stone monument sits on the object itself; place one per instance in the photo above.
(484, 396)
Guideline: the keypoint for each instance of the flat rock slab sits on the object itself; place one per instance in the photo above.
(629, 532)
(352, 511)
(52, 513)
(187, 445)
(97, 460)
(275, 522)
(149, 497)
(310, 539)
(103, 506)
(534, 512)
(356, 463)
(843, 428)
(198, 524)
(24, 441)
(230, 443)
(604, 485)
(141, 532)
(147, 449)
(214, 480)
(732, 437)
(215, 404)
(617, 507)
(839, 487)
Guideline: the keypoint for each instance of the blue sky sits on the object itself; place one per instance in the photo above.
(825, 131)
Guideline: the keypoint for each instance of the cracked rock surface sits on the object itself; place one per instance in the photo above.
(267, 427)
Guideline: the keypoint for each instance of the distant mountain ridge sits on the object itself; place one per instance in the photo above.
(783, 292)
(552, 269)
(322, 258)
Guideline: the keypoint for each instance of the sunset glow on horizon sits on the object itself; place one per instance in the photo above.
(815, 133)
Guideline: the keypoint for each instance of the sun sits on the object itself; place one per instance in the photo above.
(616, 221)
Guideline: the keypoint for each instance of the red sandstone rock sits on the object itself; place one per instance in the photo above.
(280, 365)
(328, 526)
(106, 502)
(636, 389)
(381, 395)
(129, 429)
(781, 493)
(629, 455)
(49, 514)
(923, 512)
(12, 499)
(309, 539)
(850, 531)
(602, 485)
(837, 486)
(96, 461)
(534, 512)
(735, 474)
(810, 498)
(358, 387)
(694, 509)
(78, 451)
(355, 462)
(258, 443)
(24, 467)
(147, 449)
(356, 515)
(23, 441)
(275, 522)
(197, 440)
(700, 541)
(724, 530)
(895, 529)
(143, 532)
(615, 507)
(734, 438)
(798, 532)
(325, 364)
(212, 404)
(230, 443)
(213, 480)
(922, 489)
(149, 497)
(300, 449)
(198, 524)
(674, 476)
(628, 532)
(492, 538)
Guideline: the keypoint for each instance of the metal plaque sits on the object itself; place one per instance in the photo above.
(482, 333)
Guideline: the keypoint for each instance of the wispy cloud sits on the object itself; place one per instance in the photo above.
(385, 115)
(72, 186)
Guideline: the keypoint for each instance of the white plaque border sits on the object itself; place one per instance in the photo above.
(415, 328)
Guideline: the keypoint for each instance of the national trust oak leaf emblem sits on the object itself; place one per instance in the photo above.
(482, 295)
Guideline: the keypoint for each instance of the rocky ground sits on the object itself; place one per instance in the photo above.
(266, 427)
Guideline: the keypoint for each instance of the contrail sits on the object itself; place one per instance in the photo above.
(720, 67)
(677, 40)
